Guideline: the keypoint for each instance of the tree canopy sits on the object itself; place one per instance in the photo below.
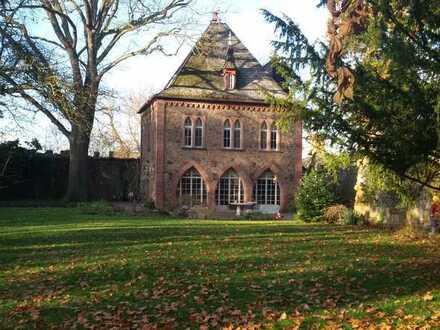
(54, 55)
(374, 86)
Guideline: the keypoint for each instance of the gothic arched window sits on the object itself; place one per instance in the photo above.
(188, 132)
(198, 133)
(227, 134)
(274, 137)
(263, 136)
(237, 134)
(229, 189)
(267, 190)
(191, 189)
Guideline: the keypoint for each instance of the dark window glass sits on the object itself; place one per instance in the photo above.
(229, 189)
(267, 190)
(198, 135)
(188, 132)
(263, 136)
(227, 134)
(237, 135)
(274, 138)
(192, 189)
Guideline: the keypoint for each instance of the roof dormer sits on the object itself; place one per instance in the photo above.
(230, 68)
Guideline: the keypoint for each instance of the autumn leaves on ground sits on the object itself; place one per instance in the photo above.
(64, 268)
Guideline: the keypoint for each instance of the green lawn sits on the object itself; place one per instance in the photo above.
(62, 268)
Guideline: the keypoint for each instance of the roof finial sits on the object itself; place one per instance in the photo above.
(216, 16)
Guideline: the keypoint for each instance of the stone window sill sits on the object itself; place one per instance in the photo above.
(232, 149)
(269, 150)
(193, 148)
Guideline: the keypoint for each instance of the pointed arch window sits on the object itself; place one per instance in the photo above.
(227, 134)
(263, 136)
(188, 132)
(267, 189)
(237, 134)
(191, 189)
(274, 137)
(229, 189)
(198, 133)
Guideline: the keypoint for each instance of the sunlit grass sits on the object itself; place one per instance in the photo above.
(63, 268)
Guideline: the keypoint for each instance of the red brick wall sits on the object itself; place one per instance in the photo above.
(171, 159)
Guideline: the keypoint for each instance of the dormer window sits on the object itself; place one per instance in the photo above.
(230, 69)
(230, 79)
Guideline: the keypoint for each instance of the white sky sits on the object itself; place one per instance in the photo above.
(150, 74)
(243, 16)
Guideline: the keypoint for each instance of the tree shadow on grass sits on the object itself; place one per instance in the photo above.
(283, 282)
(46, 247)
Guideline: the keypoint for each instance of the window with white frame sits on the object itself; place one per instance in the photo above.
(274, 137)
(191, 189)
(227, 134)
(263, 136)
(229, 189)
(267, 190)
(198, 133)
(230, 80)
(187, 132)
(237, 134)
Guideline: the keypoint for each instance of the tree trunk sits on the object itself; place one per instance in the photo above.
(77, 189)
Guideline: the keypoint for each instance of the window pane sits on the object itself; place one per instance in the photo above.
(229, 189)
(198, 137)
(227, 134)
(188, 137)
(237, 135)
(263, 136)
(263, 140)
(267, 190)
(273, 138)
(188, 132)
(192, 189)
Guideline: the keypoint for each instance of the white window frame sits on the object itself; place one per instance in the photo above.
(187, 127)
(229, 130)
(192, 174)
(274, 130)
(197, 127)
(232, 180)
(237, 130)
(265, 180)
(263, 129)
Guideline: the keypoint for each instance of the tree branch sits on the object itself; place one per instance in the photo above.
(39, 107)
(148, 49)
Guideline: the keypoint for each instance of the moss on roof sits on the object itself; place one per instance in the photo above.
(201, 75)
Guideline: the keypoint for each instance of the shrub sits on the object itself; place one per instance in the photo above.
(314, 195)
(335, 213)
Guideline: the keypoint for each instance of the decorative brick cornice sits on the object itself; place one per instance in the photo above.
(212, 105)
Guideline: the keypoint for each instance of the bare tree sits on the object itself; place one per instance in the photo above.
(118, 127)
(59, 51)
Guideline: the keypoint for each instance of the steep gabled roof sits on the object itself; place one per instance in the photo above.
(201, 74)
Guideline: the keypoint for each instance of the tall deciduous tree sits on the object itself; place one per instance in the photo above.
(59, 51)
(374, 87)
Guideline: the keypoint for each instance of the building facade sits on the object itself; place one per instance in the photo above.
(210, 137)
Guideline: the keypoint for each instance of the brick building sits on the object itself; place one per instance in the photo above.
(210, 136)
